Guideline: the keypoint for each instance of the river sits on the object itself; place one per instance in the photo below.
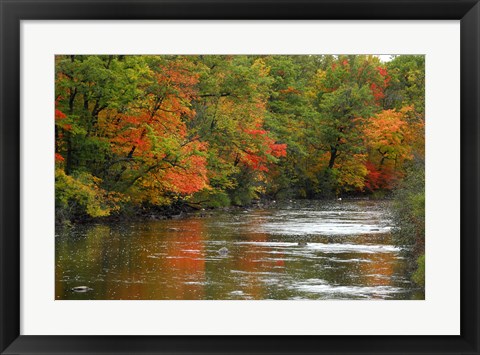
(292, 250)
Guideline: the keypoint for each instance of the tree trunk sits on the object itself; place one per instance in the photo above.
(69, 157)
(333, 156)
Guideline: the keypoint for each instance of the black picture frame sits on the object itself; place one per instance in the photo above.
(13, 11)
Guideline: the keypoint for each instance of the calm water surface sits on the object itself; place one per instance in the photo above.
(348, 255)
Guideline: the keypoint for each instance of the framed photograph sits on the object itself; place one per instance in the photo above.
(239, 177)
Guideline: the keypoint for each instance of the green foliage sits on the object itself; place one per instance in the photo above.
(407, 86)
(419, 275)
(290, 116)
(248, 188)
(326, 185)
(211, 199)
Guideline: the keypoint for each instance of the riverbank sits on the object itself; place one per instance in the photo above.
(184, 210)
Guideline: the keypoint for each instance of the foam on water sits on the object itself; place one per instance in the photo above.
(329, 248)
(341, 219)
(357, 291)
(324, 227)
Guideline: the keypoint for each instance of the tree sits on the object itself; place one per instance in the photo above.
(231, 110)
(155, 156)
(389, 141)
(407, 86)
(347, 91)
(289, 117)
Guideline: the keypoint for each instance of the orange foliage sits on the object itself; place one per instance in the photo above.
(190, 177)
(389, 139)
(389, 133)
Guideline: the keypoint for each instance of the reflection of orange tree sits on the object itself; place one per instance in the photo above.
(256, 262)
(184, 265)
(379, 271)
(127, 271)
(163, 274)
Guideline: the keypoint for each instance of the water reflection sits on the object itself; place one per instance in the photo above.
(180, 259)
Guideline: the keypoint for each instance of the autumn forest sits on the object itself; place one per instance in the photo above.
(223, 130)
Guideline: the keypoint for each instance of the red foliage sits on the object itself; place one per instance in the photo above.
(378, 90)
(257, 159)
(278, 150)
(59, 115)
(255, 162)
(379, 178)
(59, 158)
(382, 71)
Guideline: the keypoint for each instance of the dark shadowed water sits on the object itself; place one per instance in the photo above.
(295, 250)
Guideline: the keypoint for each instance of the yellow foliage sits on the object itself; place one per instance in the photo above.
(82, 193)
(352, 172)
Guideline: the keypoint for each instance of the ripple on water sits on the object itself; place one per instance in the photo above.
(323, 228)
(330, 219)
(355, 291)
(330, 247)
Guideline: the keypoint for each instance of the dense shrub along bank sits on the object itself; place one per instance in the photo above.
(409, 219)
